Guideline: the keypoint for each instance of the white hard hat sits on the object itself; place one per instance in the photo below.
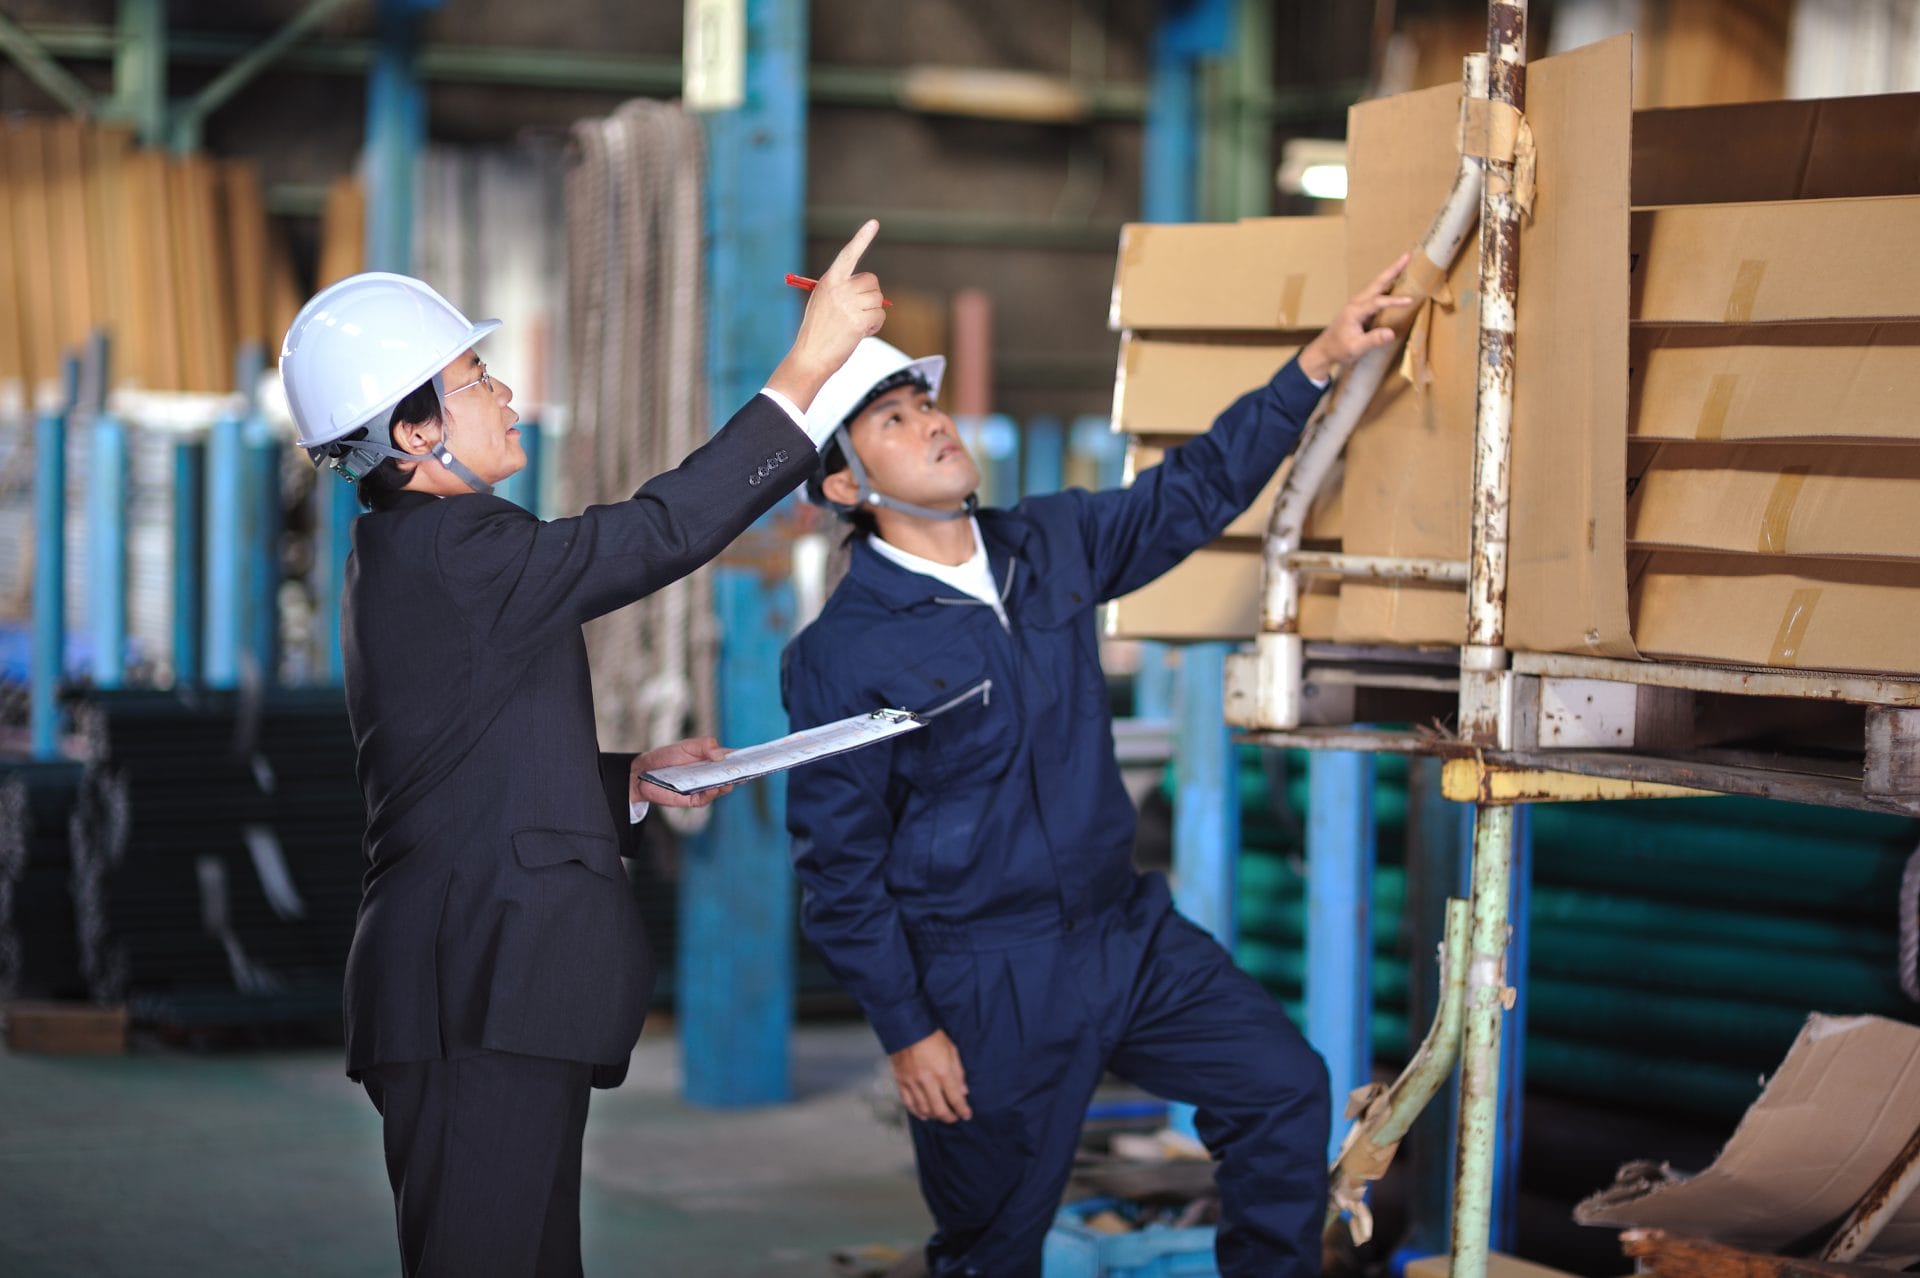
(362, 345)
(872, 362)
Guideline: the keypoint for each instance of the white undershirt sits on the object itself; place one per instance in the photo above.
(973, 578)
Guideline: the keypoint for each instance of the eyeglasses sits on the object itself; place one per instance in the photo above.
(482, 380)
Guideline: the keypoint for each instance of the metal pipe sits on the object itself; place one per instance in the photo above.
(1280, 656)
(139, 49)
(1371, 1143)
(193, 113)
(1486, 998)
(1484, 658)
(226, 507)
(189, 500)
(50, 570)
(1874, 1211)
(107, 550)
(38, 65)
(1314, 563)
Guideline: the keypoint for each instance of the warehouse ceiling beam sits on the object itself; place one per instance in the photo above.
(33, 59)
(190, 116)
(653, 76)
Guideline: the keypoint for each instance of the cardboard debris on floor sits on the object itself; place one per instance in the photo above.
(1499, 1265)
(1841, 1107)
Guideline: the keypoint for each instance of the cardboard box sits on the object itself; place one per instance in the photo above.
(1775, 261)
(1780, 499)
(1323, 521)
(1754, 610)
(1809, 150)
(1776, 382)
(1263, 274)
(1177, 385)
(1831, 1120)
(1215, 595)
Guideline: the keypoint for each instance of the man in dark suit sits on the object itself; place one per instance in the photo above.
(498, 969)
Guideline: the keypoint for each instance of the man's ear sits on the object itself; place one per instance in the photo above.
(416, 437)
(840, 488)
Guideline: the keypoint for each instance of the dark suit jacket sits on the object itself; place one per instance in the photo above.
(496, 915)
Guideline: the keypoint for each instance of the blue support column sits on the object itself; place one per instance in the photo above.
(189, 502)
(49, 572)
(1340, 855)
(1043, 462)
(1206, 806)
(107, 550)
(735, 969)
(396, 134)
(226, 507)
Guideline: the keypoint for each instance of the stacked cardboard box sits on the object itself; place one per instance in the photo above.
(173, 257)
(1718, 353)
(1208, 312)
(1768, 308)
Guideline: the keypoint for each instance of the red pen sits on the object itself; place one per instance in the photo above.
(806, 285)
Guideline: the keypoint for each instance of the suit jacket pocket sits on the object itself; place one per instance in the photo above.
(537, 849)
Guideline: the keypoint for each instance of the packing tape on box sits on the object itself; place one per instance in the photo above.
(1779, 513)
(1789, 639)
(1489, 130)
(1746, 287)
(1713, 413)
(1292, 289)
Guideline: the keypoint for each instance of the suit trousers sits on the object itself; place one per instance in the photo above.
(483, 1153)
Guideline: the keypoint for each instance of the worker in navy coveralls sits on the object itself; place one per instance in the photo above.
(971, 883)
(499, 970)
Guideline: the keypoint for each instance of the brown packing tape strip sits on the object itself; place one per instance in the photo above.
(1415, 364)
(1424, 278)
(1292, 289)
(1526, 169)
(1713, 413)
(1746, 287)
(1778, 518)
(1789, 640)
(1489, 130)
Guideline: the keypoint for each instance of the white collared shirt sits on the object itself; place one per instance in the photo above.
(973, 578)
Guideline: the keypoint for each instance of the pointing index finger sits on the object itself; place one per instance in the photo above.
(850, 255)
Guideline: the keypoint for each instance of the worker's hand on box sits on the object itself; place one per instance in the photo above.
(692, 750)
(933, 1086)
(1352, 334)
(844, 306)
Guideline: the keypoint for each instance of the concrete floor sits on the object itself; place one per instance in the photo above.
(163, 1163)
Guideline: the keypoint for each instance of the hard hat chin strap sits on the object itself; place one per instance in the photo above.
(870, 497)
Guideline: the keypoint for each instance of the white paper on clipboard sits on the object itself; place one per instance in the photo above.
(806, 746)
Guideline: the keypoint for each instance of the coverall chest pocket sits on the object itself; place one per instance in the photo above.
(1061, 639)
(970, 734)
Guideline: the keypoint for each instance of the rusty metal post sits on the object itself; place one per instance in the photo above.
(1880, 1205)
(1483, 661)
(1487, 997)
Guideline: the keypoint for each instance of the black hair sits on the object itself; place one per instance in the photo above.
(833, 458)
(379, 486)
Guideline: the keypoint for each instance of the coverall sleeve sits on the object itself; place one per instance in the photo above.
(1134, 534)
(522, 581)
(842, 828)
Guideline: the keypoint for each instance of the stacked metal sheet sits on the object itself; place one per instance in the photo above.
(218, 855)
(39, 947)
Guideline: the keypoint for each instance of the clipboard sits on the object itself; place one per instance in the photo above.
(807, 746)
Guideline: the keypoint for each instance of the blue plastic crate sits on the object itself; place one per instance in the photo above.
(1075, 1251)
